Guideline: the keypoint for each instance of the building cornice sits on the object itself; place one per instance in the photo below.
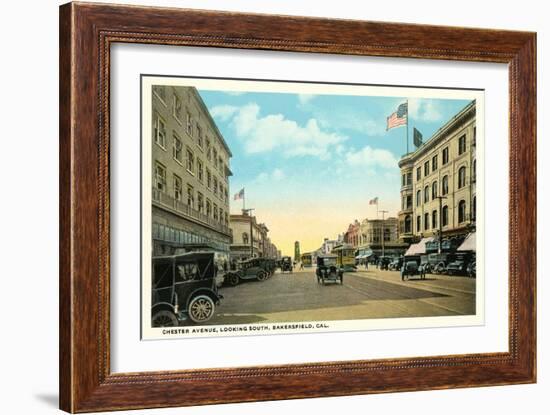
(465, 115)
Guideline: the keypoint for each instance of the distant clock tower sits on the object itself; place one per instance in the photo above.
(297, 251)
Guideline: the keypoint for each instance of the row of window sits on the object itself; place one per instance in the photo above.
(407, 200)
(433, 163)
(197, 168)
(203, 205)
(212, 155)
(432, 219)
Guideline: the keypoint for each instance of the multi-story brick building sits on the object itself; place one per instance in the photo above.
(250, 238)
(439, 181)
(351, 236)
(190, 174)
(371, 241)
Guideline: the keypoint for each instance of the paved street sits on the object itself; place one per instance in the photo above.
(364, 294)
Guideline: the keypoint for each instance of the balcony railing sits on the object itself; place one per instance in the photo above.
(187, 211)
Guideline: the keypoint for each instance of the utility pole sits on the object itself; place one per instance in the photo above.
(249, 211)
(440, 223)
(383, 212)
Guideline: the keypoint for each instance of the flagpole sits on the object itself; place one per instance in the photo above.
(407, 125)
(244, 204)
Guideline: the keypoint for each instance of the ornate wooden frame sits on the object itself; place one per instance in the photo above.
(86, 34)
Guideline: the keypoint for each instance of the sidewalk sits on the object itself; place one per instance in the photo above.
(433, 282)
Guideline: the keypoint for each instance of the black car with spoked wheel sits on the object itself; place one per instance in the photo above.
(328, 270)
(184, 288)
(250, 269)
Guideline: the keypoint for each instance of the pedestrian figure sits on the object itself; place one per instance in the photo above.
(366, 264)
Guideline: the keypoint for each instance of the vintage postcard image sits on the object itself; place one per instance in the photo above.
(273, 207)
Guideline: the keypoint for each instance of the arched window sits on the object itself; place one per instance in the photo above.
(434, 219)
(418, 223)
(408, 224)
(426, 194)
(418, 197)
(434, 190)
(461, 211)
(474, 171)
(444, 216)
(461, 177)
(426, 221)
(474, 210)
(245, 238)
(445, 185)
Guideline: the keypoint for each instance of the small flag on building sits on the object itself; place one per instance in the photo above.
(239, 195)
(374, 201)
(417, 137)
(399, 117)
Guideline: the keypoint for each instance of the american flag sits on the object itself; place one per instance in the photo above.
(373, 201)
(239, 195)
(399, 117)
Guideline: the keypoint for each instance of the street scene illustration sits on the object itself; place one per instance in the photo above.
(279, 207)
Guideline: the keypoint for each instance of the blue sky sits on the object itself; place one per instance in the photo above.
(310, 163)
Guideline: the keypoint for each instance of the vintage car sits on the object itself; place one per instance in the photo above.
(250, 269)
(396, 264)
(411, 267)
(328, 271)
(471, 269)
(459, 265)
(286, 264)
(184, 286)
(270, 266)
(384, 262)
(425, 266)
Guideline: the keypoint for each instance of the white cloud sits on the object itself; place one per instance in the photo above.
(223, 112)
(424, 110)
(274, 132)
(371, 157)
(276, 176)
(350, 118)
(235, 93)
(305, 98)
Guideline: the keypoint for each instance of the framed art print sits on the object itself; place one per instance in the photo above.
(252, 204)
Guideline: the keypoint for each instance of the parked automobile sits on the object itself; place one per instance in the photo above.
(425, 266)
(270, 266)
(411, 267)
(286, 264)
(183, 286)
(459, 265)
(250, 269)
(440, 268)
(384, 262)
(396, 264)
(328, 271)
(471, 269)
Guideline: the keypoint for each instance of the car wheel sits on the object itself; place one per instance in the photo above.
(201, 308)
(261, 276)
(164, 318)
(233, 280)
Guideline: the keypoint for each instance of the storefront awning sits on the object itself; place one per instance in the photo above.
(469, 243)
(419, 248)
